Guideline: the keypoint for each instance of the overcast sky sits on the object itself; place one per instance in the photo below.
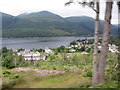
(16, 7)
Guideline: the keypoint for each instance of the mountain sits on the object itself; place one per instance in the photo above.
(45, 23)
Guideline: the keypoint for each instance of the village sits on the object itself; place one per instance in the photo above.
(79, 46)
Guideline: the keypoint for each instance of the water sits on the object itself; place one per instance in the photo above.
(38, 42)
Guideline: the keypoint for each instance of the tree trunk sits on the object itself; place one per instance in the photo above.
(106, 33)
(96, 38)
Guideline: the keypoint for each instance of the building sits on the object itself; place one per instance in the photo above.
(31, 56)
(84, 52)
(43, 56)
(36, 56)
(72, 50)
(47, 50)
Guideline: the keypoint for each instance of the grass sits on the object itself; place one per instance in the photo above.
(78, 77)
(67, 80)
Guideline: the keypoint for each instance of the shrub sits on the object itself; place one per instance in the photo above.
(84, 86)
(6, 73)
(67, 70)
(80, 66)
(15, 76)
(87, 74)
(113, 85)
(54, 68)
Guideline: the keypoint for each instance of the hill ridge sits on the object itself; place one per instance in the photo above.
(46, 23)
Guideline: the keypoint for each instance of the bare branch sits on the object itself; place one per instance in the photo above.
(83, 3)
(68, 3)
(94, 9)
(90, 4)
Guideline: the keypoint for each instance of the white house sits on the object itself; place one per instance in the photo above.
(99, 47)
(43, 57)
(72, 50)
(113, 48)
(20, 53)
(29, 56)
(36, 56)
(47, 50)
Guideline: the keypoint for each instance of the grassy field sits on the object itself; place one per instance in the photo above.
(77, 73)
(67, 80)
(29, 79)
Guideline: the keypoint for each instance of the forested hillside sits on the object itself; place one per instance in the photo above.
(48, 24)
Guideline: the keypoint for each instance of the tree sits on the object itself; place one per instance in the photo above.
(96, 35)
(61, 49)
(96, 38)
(105, 41)
(20, 49)
(118, 3)
(10, 52)
(4, 50)
(99, 67)
(73, 43)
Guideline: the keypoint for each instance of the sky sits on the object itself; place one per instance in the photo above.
(16, 7)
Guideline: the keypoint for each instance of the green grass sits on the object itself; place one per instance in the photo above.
(78, 77)
(67, 80)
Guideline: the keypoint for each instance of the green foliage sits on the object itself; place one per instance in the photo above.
(60, 49)
(54, 68)
(10, 61)
(36, 63)
(87, 74)
(39, 50)
(15, 76)
(84, 86)
(48, 24)
(4, 50)
(82, 48)
(115, 40)
(80, 66)
(67, 70)
(108, 85)
(73, 43)
(6, 73)
(20, 49)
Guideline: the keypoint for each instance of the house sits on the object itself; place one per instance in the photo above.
(47, 50)
(20, 53)
(72, 50)
(30, 56)
(76, 46)
(27, 57)
(43, 56)
(84, 52)
(99, 47)
(113, 48)
(36, 56)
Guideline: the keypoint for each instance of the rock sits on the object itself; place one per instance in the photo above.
(41, 72)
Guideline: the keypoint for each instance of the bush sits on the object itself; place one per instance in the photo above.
(84, 86)
(67, 70)
(80, 66)
(109, 85)
(6, 73)
(15, 76)
(54, 68)
(87, 74)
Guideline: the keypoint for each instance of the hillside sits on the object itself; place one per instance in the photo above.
(48, 24)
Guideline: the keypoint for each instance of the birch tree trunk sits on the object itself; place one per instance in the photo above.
(96, 38)
(106, 33)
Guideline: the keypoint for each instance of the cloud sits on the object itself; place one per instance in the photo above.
(16, 7)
